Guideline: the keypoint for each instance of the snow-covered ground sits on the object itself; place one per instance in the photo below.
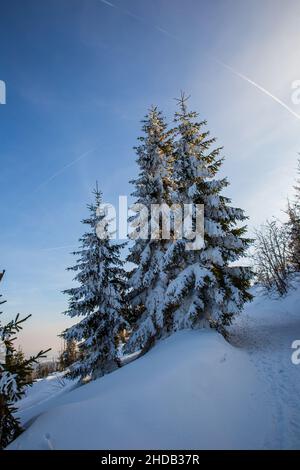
(41, 396)
(266, 331)
(193, 390)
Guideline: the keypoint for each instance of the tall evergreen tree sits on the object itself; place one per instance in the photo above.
(147, 281)
(97, 298)
(69, 355)
(15, 375)
(294, 226)
(205, 288)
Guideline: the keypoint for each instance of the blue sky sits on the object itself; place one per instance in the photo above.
(80, 74)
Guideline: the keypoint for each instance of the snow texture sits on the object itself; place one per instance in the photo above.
(193, 390)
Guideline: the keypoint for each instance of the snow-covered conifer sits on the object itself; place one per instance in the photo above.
(147, 281)
(15, 376)
(205, 288)
(98, 298)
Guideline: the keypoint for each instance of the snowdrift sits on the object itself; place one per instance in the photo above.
(193, 390)
(41, 396)
(266, 330)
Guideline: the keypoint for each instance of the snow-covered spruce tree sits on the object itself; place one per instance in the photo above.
(147, 281)
(205, 289)
(98, 298)
(294, 227)
(15, 375)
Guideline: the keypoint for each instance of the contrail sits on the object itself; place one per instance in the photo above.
(55, 248)
(220, 62)
(57, 173)
(61, 170)
(108, 3)
(138, 18)
(259, 87)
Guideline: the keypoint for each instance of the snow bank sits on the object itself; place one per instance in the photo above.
(266, 331)
(192, 391)
(42, 395)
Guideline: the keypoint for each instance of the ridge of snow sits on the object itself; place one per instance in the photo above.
(192, 390)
